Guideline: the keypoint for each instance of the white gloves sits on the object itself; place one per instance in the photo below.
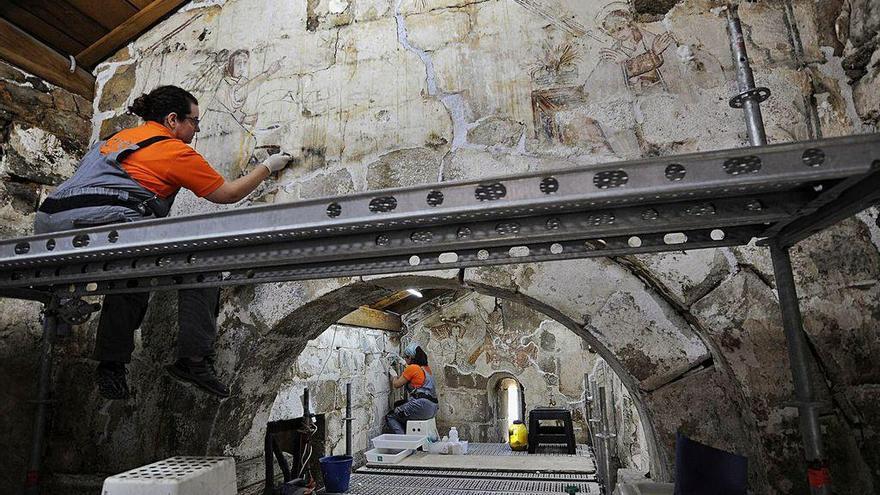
(277, 162)
(392, 373)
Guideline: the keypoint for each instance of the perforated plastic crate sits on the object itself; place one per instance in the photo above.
(177, 476)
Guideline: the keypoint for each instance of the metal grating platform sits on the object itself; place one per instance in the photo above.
(383, 484)
(453, 473)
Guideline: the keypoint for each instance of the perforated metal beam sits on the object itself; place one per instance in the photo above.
(692, 201)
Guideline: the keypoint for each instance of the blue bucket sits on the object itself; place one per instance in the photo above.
(336, 470)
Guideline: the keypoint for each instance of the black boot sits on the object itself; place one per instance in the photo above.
(199, 373)
(110, 378)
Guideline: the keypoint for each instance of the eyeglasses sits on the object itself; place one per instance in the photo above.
(195, 120)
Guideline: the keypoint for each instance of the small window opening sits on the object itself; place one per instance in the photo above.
(510, 406)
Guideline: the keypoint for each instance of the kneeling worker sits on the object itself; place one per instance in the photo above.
(421, 403)
(133, 176)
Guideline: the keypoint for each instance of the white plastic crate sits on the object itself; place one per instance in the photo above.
(388, 456)
(177, 476)
(399, 442)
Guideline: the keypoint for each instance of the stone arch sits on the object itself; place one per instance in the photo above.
(643, 339)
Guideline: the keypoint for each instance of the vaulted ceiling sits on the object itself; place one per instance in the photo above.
(61, 41)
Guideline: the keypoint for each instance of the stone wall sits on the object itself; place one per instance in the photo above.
(473, 341)
(628, 448)
(43, 131)
(342, 354)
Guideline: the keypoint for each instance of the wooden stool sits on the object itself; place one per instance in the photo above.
(550, 434)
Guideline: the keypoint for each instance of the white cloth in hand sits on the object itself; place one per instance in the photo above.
(277, 161)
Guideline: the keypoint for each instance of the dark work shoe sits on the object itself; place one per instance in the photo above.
(199, 373)
(110, 378)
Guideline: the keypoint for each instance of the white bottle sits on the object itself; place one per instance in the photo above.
(453, 434)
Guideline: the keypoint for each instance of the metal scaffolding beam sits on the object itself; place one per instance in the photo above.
(702, 200)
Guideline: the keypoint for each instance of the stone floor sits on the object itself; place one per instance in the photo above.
(491, 469)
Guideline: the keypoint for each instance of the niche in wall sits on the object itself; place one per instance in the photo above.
(509, 402)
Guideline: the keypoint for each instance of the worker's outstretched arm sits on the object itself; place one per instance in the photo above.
(397, 381)
(234, 191)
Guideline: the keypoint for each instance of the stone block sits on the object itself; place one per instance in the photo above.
(117, 90)
(332, 184)
(750, 338)
(64, 100)
(117, 123)
(495, 131)
(31, 105)
(433, 30)
(472, 164)
(38, 156)
(407, 167)
(687, 275)
(704, 407)
(11, 73)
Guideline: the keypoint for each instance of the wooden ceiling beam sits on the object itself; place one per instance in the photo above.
(66, 18)
(46, 33)
(107, 14)
(31, 55)
(391, 299)
(367, 317)
(140, 4)
(127, 31)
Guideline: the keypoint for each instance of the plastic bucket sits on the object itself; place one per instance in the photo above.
(336, 470)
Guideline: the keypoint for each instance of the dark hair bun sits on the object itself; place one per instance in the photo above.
(140, 106)
(162, 101)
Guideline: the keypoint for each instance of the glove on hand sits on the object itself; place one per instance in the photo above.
(277, 161)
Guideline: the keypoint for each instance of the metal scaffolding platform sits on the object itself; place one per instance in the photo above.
(703, 200)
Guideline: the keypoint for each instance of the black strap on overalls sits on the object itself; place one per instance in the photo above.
(56, 205)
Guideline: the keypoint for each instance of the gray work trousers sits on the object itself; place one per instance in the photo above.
(122, 314)
(412, 409)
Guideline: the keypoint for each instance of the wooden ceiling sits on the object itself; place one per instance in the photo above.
(40, 36)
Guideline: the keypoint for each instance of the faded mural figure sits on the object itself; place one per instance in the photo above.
(225, 78)
(503, 345)
(555, 104)
(638, 51)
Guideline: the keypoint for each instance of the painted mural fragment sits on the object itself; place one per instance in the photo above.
(637, 51)
(231, 97)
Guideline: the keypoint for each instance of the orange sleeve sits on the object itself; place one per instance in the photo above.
(411, 371)
(192, 171)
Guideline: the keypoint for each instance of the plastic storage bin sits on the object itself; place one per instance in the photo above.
(399, 442)
(388, 456)
(177, 476)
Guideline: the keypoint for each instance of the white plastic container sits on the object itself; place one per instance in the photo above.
(437, 447)
(453, 434)
(387, 456)
(177, 476)
(400, 442)
(458, 448)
